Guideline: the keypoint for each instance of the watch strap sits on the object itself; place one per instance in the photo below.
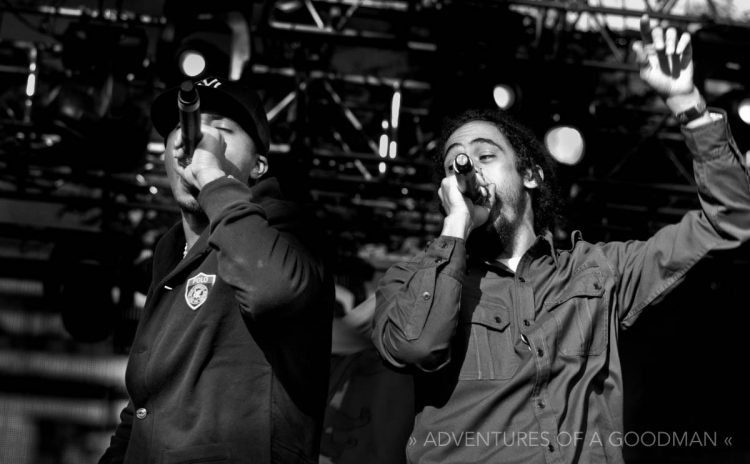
(692, 113)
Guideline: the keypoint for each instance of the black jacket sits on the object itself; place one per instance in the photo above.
(230, 360)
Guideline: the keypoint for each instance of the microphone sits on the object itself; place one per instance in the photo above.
(189, 104)
(467, 179)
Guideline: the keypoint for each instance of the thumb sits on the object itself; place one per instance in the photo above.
(640, 53)
(178, 139)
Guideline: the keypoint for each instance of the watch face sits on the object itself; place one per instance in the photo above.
(692, 113)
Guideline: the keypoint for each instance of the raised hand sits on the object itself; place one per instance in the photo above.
(666, 61)
(667, 66)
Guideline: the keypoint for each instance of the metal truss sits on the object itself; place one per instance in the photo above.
(350, 91)
(552, 34)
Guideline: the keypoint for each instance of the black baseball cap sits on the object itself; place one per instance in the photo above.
(223, 97)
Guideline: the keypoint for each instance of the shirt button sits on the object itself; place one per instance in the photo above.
(426, 296)
(541, 404)
(526, 322)
(540, 352)
(521, 279)
(141, 413)
(497, 319)
(597, 286)
(550, 448)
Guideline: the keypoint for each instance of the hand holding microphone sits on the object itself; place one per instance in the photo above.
(202, 148)
(467, 179)
(465, 202)
(188, 103)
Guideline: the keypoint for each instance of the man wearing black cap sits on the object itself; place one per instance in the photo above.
(230, 359)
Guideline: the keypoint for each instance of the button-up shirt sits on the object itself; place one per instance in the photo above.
(524, 367)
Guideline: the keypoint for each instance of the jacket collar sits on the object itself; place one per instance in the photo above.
(168, 260)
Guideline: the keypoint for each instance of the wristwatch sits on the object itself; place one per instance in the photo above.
(692, 113)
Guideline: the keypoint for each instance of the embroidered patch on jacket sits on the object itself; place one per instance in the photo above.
(197, 288)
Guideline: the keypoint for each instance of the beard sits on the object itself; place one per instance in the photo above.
(497, 234)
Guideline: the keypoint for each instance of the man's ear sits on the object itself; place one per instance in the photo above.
(261, 167)
(533, 177)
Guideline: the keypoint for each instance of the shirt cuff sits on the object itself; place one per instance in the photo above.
(450, 250)
(707, 140)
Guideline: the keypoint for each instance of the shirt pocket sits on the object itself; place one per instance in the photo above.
(489, 343)
(581, 316)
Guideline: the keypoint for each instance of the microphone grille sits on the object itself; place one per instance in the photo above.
(188, 94)
(462, 163)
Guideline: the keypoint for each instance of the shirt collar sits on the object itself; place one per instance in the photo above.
(544, 245)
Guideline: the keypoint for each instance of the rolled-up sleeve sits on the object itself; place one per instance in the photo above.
(417, 307)
(723, 181)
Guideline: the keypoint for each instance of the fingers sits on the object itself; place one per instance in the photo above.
(641, 57)
(685, 50)
(661, 49)
(178, 148)
(446, 194)
(683, 44)
(450, 195)
(646, 30)
(178, 139)
(447, 186)
(670, 42)
(211, 140)
(189, 175)
(657, 35)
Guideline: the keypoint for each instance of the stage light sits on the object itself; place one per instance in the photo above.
(395, 108)
(565, 144)
(743, 110)
(89, 102)
(197, 57)
(289, 6)
(383, 146)
(192, 63)
(504, 96)
(392, 149)
(211, 44)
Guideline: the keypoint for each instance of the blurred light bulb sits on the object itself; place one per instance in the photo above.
(565, 144)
